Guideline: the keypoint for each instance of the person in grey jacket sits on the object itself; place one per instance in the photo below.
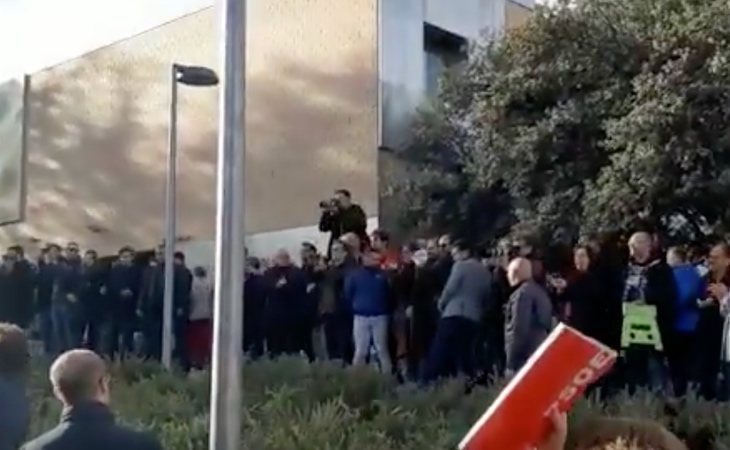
(14, 405)
(462, 305)
(528, 315)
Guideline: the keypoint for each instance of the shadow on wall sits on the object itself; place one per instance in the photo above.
(97, 148)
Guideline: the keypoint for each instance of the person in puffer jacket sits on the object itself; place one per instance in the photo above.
(368, 291)
(690, 289)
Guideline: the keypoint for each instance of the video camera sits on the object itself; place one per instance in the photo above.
(330, 204)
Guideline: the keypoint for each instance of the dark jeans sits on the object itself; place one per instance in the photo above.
(180, 350)
(338, 337)
(282, 339)
(453, 349)
(643, 368)
(153, 337)
(121, 335)
(253, 338)
(682, 361)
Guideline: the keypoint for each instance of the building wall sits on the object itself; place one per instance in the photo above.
(402, 59)
(98, 128)
(516, 14)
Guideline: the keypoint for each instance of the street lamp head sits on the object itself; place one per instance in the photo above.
(196, 75)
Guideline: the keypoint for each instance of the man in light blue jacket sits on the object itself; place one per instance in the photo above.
(462, 306)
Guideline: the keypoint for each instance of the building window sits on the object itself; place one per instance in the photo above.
(444, 51)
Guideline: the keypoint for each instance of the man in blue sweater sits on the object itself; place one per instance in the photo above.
(367, 290)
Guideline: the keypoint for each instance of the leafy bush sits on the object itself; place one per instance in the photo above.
(292, 405)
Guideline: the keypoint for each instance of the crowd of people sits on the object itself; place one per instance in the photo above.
(74, 300)
(423, 311)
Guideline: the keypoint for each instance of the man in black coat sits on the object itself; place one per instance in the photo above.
(341, 216)
(81, 383)
(18, 287)
(123, 290)
(649, 280)
(92, 290)
(151, 304)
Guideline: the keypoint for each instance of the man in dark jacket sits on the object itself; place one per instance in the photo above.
(341, 216)
(123, 290)
(18, 279)
(528, 315)
(52, 308)
(81, 383)
(14, 405)
(286, 295)
(151, 304)
(648, 281)
(254, 304)
(335, 310)
(92, 290)
(313, 268)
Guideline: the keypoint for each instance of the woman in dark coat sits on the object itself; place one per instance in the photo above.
(584, 296)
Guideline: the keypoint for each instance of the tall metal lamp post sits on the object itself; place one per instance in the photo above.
(189, 76)
(225, 398)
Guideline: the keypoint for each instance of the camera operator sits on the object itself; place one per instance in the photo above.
(341, 216)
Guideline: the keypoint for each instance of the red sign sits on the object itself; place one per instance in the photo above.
(557, 373)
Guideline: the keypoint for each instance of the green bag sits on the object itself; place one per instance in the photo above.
(640, 326)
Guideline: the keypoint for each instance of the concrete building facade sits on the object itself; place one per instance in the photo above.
(329, 83)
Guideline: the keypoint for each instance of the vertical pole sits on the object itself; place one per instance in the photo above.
(170, 219)
(225, 418)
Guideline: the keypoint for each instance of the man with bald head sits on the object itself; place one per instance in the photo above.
(648, 281)
(286, 302)
(528, 315)
(81, 383)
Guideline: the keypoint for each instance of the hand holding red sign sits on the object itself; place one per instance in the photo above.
(530, 408)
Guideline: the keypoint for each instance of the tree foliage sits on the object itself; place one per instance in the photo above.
(595, 115)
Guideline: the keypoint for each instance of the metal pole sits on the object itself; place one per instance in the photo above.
(170, 219)
(225, 418)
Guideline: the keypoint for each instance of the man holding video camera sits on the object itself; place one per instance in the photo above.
(341, 216)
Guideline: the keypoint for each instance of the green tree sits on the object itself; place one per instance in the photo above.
(595, 116)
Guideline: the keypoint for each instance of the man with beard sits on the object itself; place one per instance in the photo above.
(286, 295)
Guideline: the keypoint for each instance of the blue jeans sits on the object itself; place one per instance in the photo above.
(371, 330)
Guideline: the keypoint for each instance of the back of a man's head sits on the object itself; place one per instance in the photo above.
(625, 434)
(79, 376)
(13, 351)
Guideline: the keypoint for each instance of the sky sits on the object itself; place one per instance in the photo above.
(35, 34)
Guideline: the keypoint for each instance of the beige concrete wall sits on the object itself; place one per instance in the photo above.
(98, 127)
(516, 14)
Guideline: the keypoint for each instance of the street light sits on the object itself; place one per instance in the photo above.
(225, 387)
(190, 76)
